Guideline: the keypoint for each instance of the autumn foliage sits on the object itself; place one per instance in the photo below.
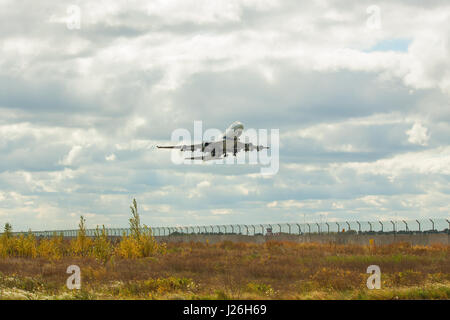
(139, 244)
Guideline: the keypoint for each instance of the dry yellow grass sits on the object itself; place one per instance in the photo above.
(275, 270)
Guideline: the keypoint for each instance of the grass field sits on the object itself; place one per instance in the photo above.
(274, 270)
(138, 267)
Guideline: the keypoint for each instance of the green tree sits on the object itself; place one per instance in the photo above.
(8, 229)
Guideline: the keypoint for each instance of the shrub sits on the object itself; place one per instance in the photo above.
(102, 249)
(25, 246)
(52, 248)
(82, 244)
(260, 288)
(337, 279)
(141, 242)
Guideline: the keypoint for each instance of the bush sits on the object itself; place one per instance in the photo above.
(102, 249)
(82, 245)
(141, 242)
(53, 248)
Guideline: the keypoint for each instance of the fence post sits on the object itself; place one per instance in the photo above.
(393, 225)
(318, 227)
(289, 228)
(279, 225)
(254, 229)
(370, 224)
(339, 227)
(239, 226)
(309, 228)
(246, 227)
(407, 229)
(328, 227)
(418, 222)
(432, 222)
(359, 226)
(299, 229)
(382, 227)
(262, 229)
(348, 224)
(448, 230)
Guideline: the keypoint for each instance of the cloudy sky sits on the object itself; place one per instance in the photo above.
(359, 91)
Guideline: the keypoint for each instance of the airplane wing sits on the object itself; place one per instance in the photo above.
(204, 147)
(190, 147)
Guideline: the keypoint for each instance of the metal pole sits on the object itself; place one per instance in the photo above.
(407, 229)
(254, 229)
(328, 227)
(246, 227)
(232, 228)
(382, 227)
(339, 227)
(370, 224)
(318, 227)
(299, 228)
(309, 228)
(418, 222)
(393, 225)
(262, 229)
(289, 228)
(280, 227)
(359, 226)
(348, 224)
(432, 222)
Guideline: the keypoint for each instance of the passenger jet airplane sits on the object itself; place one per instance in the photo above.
(216, 149)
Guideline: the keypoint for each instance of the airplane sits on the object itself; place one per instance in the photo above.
(214, 150)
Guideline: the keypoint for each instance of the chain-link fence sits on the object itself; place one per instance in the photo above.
(347, 227)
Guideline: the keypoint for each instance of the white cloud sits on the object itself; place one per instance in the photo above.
(418, 134)
(432, 161)
(111, 157)
(221, 211)
(81, 110)
(72, 155)
(203, 184)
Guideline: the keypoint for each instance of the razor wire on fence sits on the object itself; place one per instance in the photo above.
(335, 227)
